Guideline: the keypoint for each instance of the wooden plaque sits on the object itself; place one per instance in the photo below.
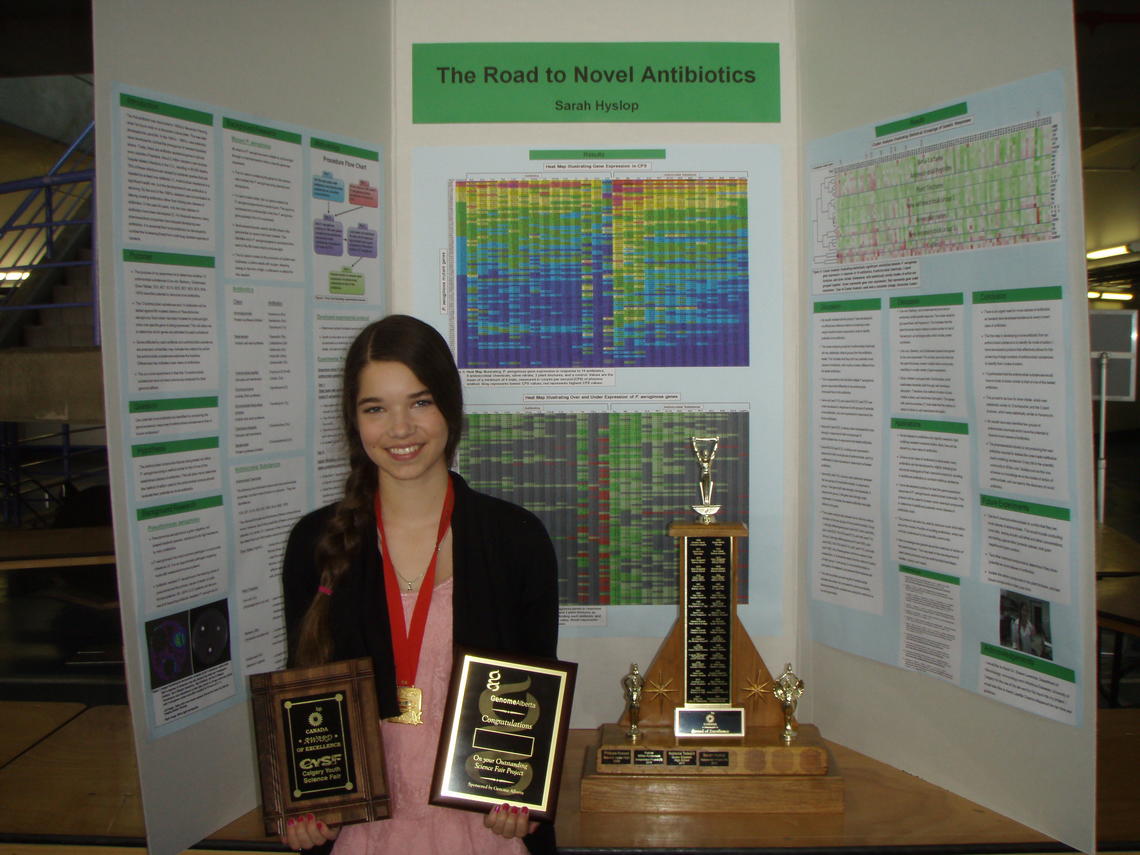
(318, 744)
(504, 733)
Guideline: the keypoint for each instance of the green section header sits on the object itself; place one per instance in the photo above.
(869, 305)
(930, 574)
(1021, 507)
(344, 148)
(482, 82)
(933, 117)
(1022, 660)
(149, 105)
(607, 154)
(139, 256)
(150, 449)
(168, 404)
(929, 301)
(930, 425)
(1019, 295)
(173, 508)
(261, 131)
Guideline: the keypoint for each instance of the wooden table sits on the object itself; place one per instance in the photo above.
(27, 549)
(26, 723)
(79, 785)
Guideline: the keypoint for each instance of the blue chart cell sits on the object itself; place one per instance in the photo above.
(607, 485)
(328, 236)
(362, 241)
(637, 272)
(328, 186)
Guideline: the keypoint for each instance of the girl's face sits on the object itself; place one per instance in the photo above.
(401, 428)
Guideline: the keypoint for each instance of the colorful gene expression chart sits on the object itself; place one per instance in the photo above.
(605, 306)
(249, 255)
(944, 510)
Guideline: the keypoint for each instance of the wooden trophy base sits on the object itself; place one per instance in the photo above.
(755, 774)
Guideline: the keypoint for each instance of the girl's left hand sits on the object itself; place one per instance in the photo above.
(509, 821)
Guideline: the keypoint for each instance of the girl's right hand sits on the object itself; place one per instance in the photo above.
(305, 832)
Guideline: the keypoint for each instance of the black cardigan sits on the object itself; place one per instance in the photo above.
(504, 599)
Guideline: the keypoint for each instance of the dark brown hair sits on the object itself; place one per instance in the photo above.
(396, 338)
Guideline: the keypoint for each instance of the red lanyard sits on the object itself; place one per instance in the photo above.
(407, 641)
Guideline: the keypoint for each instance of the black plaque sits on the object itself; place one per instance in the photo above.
(708, 610)
(504, 733)
(318, 744)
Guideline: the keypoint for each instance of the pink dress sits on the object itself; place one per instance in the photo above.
(409, 750)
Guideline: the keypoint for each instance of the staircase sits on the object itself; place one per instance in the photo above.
(50, 369)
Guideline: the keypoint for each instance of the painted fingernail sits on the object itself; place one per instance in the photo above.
(291, 821)
(514, 809)
(525, 811)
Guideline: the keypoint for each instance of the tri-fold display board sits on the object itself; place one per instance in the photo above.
(852, 254)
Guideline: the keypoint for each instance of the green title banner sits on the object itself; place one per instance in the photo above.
(929, 574)
(918, 121)
(482, 82)
(597, 154)
(145, 256)
(927, 301)
(1020, 507)
(180, 446)
(187, 507)
(170, 404)
(344, 148)
(261, 131)
(159, 108)
(870, 304)
(930, 425)
(1032, 663)
(1019, 295)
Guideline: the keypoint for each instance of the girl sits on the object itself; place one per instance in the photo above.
(409, 561)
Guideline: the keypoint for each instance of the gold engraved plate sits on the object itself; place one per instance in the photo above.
(411, 701)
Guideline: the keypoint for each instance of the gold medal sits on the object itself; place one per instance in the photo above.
(411, 701)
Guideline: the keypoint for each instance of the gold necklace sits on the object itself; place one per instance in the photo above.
(411, 582)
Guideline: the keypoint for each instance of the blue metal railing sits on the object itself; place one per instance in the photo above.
(34, 238)
(53, 219)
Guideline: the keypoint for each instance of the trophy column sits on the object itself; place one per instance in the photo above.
(706, 728)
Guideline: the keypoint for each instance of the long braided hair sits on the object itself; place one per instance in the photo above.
(417, 345)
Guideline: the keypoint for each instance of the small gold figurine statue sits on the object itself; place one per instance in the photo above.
(633, 683)
(788, 691)
(704, 447)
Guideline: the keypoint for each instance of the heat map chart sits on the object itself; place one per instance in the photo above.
(599, 272)
(607, 485)
(908, 198)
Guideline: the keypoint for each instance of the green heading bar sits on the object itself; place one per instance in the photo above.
(1022, 660)
(606, 154)
(911, 122)
(344, 148)
(869, 305)
(930, 574)
(482, 82)
(174, 508)
(927, 302)
(141, 256)
(159, 108)
(1020, 295)
(261, 131)
(168, 404)
(1021, 507)
(180, 446)
(930, 425)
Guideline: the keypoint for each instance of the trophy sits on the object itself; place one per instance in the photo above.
(633, 683)
(788, 690)
(706, 728)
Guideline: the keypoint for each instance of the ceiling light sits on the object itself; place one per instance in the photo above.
(1094, 295)
(1108, 295)
(1109, 252)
